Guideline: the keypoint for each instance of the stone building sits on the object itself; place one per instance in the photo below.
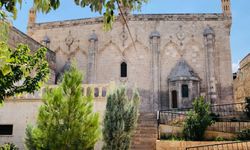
(170, 59)
(242, 81)
(202, 41)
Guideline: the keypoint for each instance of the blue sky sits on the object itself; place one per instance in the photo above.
(240, 34)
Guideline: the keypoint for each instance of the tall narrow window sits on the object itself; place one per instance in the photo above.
(123, 69)
(184, 90)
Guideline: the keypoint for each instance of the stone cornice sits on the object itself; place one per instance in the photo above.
(138, 17)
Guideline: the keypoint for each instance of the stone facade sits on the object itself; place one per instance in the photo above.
(186, 53)
(160, 41)
(242, 81)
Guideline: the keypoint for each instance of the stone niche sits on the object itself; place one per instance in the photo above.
(184, 85)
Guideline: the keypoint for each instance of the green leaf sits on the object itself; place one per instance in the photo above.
(6, 70)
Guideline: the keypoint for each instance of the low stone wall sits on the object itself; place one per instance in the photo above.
(181, 145)
(167, 130)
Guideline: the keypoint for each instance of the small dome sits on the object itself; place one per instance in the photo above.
(93, 36)
(46, 39)
(182, 71)
(208, 31)
(155, 34)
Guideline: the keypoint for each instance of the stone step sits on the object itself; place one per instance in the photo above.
(147, 125)
(149, 140)
(147, 120)
(145, 131)
(143, 147)
(145, 135)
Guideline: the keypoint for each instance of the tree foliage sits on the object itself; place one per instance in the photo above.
(9, 146)
(247, 107)
(66, 120)
(244, 135)
(120, 120)
(197, 120)
(105, 7)
(21, 71)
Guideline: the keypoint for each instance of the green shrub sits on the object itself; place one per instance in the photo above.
(171, 137)
(120, 120)
(247, 99)
(66, 120)
(244, 134)
(215, 117)
(197, 120)
(8, 146)
(218, 138)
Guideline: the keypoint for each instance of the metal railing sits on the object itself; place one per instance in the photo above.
(225, 110)
(222, 146)
(229, 127)
(171, 117)
(222, 111)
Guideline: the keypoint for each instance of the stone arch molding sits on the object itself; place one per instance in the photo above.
(131, 45)
(193, 50)
(109, 44)
(175, 52)
(71, 53)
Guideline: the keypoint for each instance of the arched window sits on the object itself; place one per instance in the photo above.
(174, 99)
(184, 90)
(96, 94)
(123, 69)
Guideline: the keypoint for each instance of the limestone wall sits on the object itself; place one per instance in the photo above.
(181, 35)
(242, 82)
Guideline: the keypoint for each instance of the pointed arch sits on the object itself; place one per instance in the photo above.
(137, 42)
(171, 49)
(107, 45)
(123, 69)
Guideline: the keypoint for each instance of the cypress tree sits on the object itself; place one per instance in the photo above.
(66, 120)
(120, 119)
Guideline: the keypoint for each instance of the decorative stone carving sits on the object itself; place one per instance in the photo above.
(123, 36)
(69, 40)
(180, 34)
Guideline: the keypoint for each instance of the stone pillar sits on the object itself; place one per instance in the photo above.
(155, 49)
(209, 38)
(226, 7)
(31, 21)
(91, 70)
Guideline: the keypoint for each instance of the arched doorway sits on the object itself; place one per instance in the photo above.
(174, 99)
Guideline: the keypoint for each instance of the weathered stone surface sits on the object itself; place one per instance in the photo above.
(242, 81)
(179, 36)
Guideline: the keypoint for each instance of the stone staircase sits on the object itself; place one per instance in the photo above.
(145, 135)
